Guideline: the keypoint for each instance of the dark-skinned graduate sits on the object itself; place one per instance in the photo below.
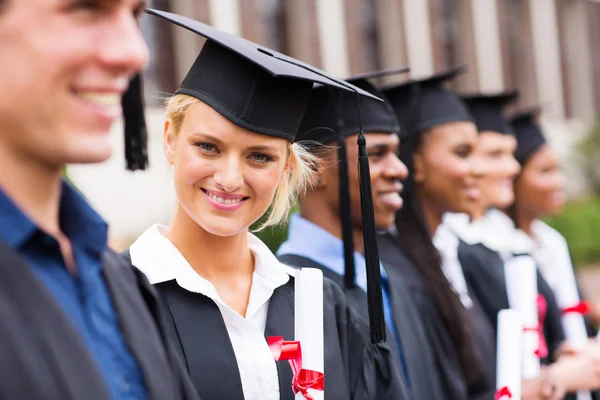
(438, 147)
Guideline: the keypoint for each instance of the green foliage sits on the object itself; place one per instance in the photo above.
(591, 143)
(580, 225)
(272, 236)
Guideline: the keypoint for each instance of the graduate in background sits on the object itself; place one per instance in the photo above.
(494, 226)
(488, 237)
(78, 322)
(539, 192)
(438, 150)
(229, 134)
(320, 233)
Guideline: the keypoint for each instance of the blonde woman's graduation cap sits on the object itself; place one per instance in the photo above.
(256, 88)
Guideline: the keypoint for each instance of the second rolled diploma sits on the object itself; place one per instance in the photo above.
(308, 322)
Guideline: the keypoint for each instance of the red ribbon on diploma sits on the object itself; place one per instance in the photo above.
(580, 308)
(542, 306)
(304, 379)
(503, 393)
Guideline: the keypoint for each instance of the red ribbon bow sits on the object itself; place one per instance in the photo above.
(304, 379)
(542, 306)
(503, 392)
(580, 308)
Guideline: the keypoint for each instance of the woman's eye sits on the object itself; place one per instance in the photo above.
(207, 147)
(261, 157)
(462, 153)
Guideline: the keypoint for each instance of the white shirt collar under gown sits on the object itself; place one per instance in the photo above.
(446, 242)
(495, 230)
(160, 260)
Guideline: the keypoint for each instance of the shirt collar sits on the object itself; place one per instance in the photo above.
(161, 261)
(461, 224)
(16, 227)
(309, 240)
(502, 235)
(78, 221)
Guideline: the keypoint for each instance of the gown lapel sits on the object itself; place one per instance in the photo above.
(139, 329)
(205, 343)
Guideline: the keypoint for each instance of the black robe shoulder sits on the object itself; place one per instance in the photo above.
(43, 357)
(448, 368)
(198, 329)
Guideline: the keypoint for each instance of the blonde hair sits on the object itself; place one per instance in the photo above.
(301, 163)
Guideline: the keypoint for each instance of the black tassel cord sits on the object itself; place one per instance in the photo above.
(344, 196)
(374, 295)
(136, 134)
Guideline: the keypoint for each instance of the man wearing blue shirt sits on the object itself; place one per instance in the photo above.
(76, 320)
(319, 234)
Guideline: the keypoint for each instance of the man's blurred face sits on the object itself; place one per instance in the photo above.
(386, 174)
(64, 65)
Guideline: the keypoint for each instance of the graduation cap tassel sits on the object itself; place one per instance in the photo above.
(136, 134)
(345, 202)
(374, 295)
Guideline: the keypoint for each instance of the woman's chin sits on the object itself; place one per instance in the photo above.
(224, 227)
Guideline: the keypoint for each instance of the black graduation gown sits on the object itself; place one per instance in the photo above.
(484, 273)
(448, 367)
(198, 328)
(419, 359)
(43, 357)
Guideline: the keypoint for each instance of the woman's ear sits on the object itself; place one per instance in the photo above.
(418, 167)
(169, 141)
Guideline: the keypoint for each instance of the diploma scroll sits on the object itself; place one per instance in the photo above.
(567, 297)
(509, 353)
(308, 322)
(521, 287)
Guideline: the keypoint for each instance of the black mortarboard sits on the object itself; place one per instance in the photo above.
(488, 110)
(528, 133)
(136, 135)
(424, 103)
(267, 92)
(256, 88)
(329, 117)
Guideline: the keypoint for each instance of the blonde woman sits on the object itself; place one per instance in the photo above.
(229, 136)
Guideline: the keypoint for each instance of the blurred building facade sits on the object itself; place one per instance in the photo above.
(548, 49)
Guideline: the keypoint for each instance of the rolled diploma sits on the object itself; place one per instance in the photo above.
(567, 295)
(308, 322)
(509, 352)
(521, 287)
